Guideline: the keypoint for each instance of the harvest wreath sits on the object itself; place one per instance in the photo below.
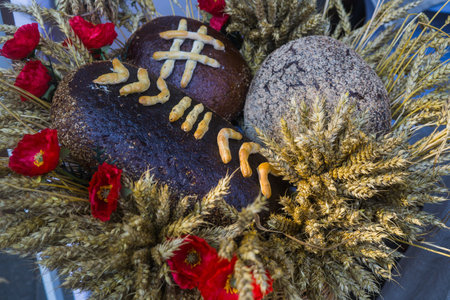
(130, 180)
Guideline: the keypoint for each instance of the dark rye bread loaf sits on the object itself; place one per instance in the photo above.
(137, 137)
(222, 90)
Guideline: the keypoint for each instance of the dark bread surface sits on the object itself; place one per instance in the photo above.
(222, 90)
(137, 137)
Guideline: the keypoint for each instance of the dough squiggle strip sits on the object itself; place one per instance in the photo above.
(162, 97)
(161, 55)
(192, 117)
(121, 74)
(140, 86)
(179, 109)
(168, 65)
(198, 36)
(244, 152)
(222, 142)
(264, 170)
(191, 64)
(203, 126)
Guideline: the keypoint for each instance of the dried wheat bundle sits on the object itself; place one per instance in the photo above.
(266, 25)
(354, 193)
(93, 10)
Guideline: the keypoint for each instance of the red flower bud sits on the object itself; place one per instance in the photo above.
(25, 40)
(93, 36)
(36, 154)
(104, 189)
(33, 78)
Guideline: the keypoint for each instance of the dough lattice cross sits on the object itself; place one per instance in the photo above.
(200, 39)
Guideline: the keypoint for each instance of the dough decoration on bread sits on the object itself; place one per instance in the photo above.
(203, 126)
(200, 39)
(182, 55)
(223, 144)
(264, 169)
(244, 152)
(140, 86)
(162, 97)
(120, 74)
(198, 36)
(192, 117)
(191, 64)
(179, 109)
(168, 65)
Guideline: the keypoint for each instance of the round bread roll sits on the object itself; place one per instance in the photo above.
(222, 89)
(307, 68)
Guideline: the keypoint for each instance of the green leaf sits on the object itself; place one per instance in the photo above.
(49, 93)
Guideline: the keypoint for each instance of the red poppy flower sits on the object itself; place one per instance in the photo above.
(93, 36)
(33, 78)
(104, 189)
(36, 154)
(221, 284)
(215, 8)
(190, 263)
(218, 21)
(25, 40)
